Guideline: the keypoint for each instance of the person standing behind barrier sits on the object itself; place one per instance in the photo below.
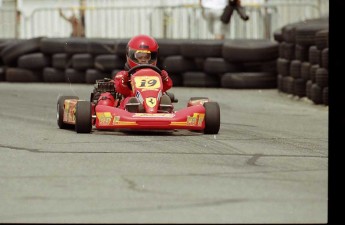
(78, 29)
(234, 5)
(211, 11)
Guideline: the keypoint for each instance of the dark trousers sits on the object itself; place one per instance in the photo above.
(240, 10)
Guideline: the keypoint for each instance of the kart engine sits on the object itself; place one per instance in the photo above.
(101, 86)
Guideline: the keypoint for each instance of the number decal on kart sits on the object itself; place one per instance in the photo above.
(147, 82)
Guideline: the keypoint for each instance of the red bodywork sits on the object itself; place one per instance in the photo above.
(191, 118)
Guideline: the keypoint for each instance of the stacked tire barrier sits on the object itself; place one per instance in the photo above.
(303, 60)
(295, 63)
(191, 63)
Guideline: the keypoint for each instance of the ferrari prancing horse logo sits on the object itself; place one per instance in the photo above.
(151, 102)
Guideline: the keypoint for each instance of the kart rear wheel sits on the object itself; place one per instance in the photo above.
(212, 118)
(60, 111)
(83, 117)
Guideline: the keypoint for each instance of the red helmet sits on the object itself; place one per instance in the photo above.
(142, 49)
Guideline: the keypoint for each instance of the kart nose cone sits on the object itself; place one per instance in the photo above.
(151, 110)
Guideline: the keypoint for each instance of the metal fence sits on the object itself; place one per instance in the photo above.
(175, 21)
(8, 23)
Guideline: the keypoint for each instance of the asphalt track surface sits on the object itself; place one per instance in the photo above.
(268, 164)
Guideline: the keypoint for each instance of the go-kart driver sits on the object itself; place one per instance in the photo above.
(141, 49)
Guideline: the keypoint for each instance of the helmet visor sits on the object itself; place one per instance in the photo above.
(142, 56)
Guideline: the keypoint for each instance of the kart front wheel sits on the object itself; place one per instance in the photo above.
(196, 100)
(83, 117)
(60, 111)
(212, 118)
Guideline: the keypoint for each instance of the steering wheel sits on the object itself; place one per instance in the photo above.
(144, 66)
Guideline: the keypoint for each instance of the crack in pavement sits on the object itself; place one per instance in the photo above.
(20, 148)
(251, 161)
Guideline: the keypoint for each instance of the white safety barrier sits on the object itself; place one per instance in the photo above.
(172, 21)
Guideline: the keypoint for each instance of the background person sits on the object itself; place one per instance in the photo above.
(211, 11)
(236, 5)
(77, 24)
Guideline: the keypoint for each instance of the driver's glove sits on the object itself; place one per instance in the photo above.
(164, 75)
(125, 77)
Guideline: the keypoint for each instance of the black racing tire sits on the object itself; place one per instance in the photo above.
(305, 32)
(283, 66)
(2, 73)
(321, 77)
(74, 76)
(212, 118)
(53, 75)
(325, 95)
(324, 58)
(177, 80)
(248, 80)
(60, 111)
(82, 61)
(200, 79)
(308, 88)
(83, 117)
(321, 39)
(278, 35)
(107, 62)
(52, 46)
(312, 72)
(34, 61)
(177, 64)
(288, 50)
(314, 55)
(172, 96)
(280, 83)
(12, 52)
(197, 98)
(316, 94)
(302, 53)
(218, 66)
(288, 84)
(168, 47)
(120, 46)
(295, 68)
(92, 75)
(76, 45)
(23, 75)
(98, 46)
(201, 48)
(264, 66)
(250, 50)
(59, 61)
(299, 87)
(289, 32)
(305, 70)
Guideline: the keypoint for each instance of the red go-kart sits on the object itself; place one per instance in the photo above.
(149, 109)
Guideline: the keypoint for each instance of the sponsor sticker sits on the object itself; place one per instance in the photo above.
(196, 119)
(104, 118)
(158, 115)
